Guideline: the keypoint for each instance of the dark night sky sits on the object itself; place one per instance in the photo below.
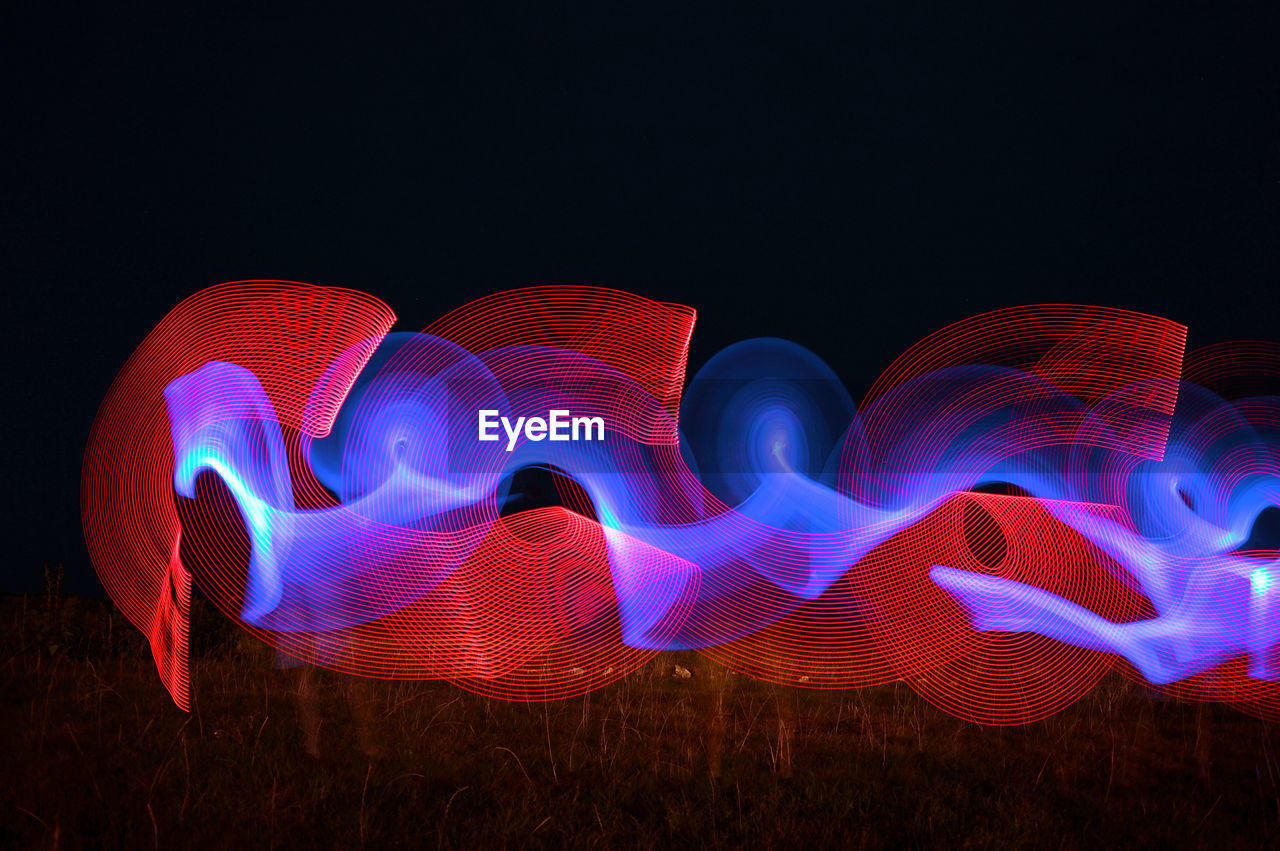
(847, 180)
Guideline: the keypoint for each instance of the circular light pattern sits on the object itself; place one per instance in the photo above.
(1023, 500)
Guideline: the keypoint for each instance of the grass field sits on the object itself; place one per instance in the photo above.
(95, 754)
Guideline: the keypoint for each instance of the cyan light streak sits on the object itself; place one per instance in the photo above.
(768, 429)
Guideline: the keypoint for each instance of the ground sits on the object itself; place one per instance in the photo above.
(97, 754)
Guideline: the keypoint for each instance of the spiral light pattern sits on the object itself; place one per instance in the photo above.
(1022, 501)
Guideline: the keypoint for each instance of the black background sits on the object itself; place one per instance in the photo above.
(850, 180)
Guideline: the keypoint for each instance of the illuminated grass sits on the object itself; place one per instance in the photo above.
(96, 754)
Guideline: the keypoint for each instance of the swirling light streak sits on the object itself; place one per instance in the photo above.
(1022, 499)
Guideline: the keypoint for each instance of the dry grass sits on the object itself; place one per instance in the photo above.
(97, 755)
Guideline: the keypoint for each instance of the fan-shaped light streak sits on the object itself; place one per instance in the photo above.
(1022, 499)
